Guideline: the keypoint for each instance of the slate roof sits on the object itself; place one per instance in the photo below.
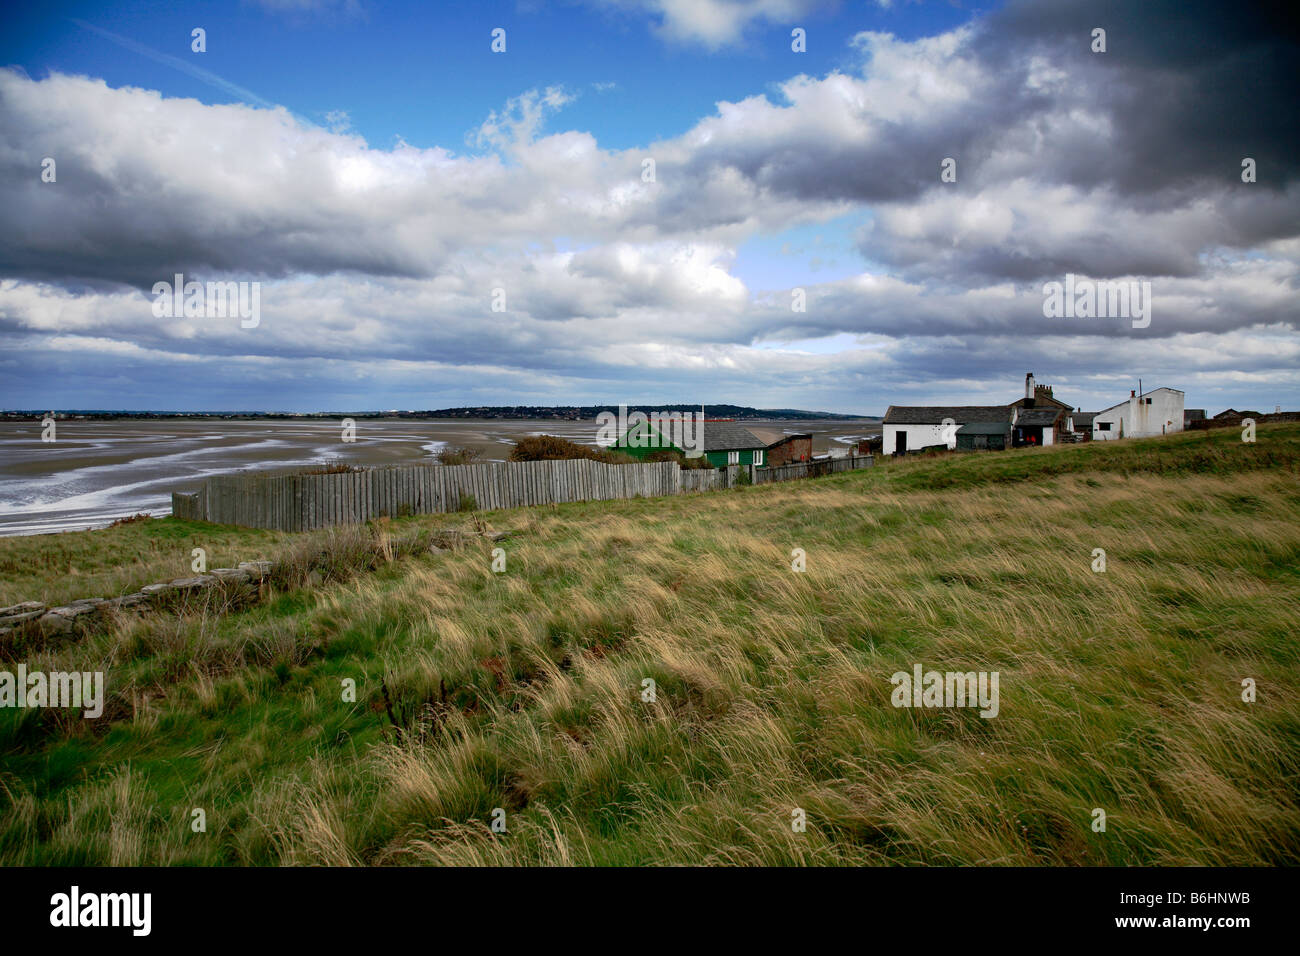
(1083, 420)
(985, 428)
(774, 436)
(1040, 400)
(1038, 417)
(729, 436)
(935, 414)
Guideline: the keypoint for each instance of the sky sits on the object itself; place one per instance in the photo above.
(641, 201)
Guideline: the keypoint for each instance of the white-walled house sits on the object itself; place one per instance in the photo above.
(1157, 412)
(1039, 418)
(909, 427)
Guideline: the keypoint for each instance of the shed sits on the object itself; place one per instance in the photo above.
(1037, 426)
(979, 436)
(910, 427)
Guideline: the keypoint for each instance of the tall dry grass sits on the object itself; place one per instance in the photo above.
(523, 692)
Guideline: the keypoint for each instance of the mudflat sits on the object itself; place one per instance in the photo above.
(97, 471)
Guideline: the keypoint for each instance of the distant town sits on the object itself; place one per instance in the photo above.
(571, 413)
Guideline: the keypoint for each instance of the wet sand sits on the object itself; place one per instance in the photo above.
(98, 471)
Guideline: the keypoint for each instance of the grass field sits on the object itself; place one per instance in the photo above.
(1119, 691)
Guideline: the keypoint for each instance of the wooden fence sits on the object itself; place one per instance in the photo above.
(812, 469)
(698, 479)
(306, 502)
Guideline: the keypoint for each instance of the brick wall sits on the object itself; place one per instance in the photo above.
(789, 451)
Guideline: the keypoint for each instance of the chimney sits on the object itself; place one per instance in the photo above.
(1029, 390)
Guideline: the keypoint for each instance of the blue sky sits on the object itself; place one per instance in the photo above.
(439, 78)
(380, 171)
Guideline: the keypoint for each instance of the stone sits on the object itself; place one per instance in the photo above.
(256, 569)
(62, 619)
(76, 609)
(55, 623)
(190, 584)
(27, 607)
(18, 617)
(237, 575)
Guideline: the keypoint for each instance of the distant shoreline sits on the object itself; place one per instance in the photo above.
(109, 467)
(558, 414)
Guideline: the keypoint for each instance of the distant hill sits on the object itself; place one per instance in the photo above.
(589, 412)
(575, 413)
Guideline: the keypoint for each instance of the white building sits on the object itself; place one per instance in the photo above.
(1158, 412)
(910, 427)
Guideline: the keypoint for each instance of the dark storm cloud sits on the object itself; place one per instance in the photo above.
(380, 265)
(1192, 85)
(1158, 123)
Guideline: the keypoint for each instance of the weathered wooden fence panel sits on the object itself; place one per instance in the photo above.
(698, 479)
(307, 502)
(813, 469)
(186, 506)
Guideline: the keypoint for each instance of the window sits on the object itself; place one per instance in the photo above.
(758, 457)
(733, 458)
(1148, 401)
(1103, 426)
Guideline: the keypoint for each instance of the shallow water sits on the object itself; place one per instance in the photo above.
(98, 471)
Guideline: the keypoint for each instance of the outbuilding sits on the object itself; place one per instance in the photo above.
(984, 436)
(1037, 425)
(1157, 412)
(784, 448)
(913, 427)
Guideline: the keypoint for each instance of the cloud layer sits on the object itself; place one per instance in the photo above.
(383, 264)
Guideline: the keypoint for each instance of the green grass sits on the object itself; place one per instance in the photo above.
(522, 691)
(56, 568)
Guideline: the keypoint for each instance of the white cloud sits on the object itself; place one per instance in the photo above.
(375, 257)
(518, 124)
(716, 23)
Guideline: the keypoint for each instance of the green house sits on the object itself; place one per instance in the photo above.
(724, 443)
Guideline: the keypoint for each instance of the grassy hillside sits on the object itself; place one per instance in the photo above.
(523, 691)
